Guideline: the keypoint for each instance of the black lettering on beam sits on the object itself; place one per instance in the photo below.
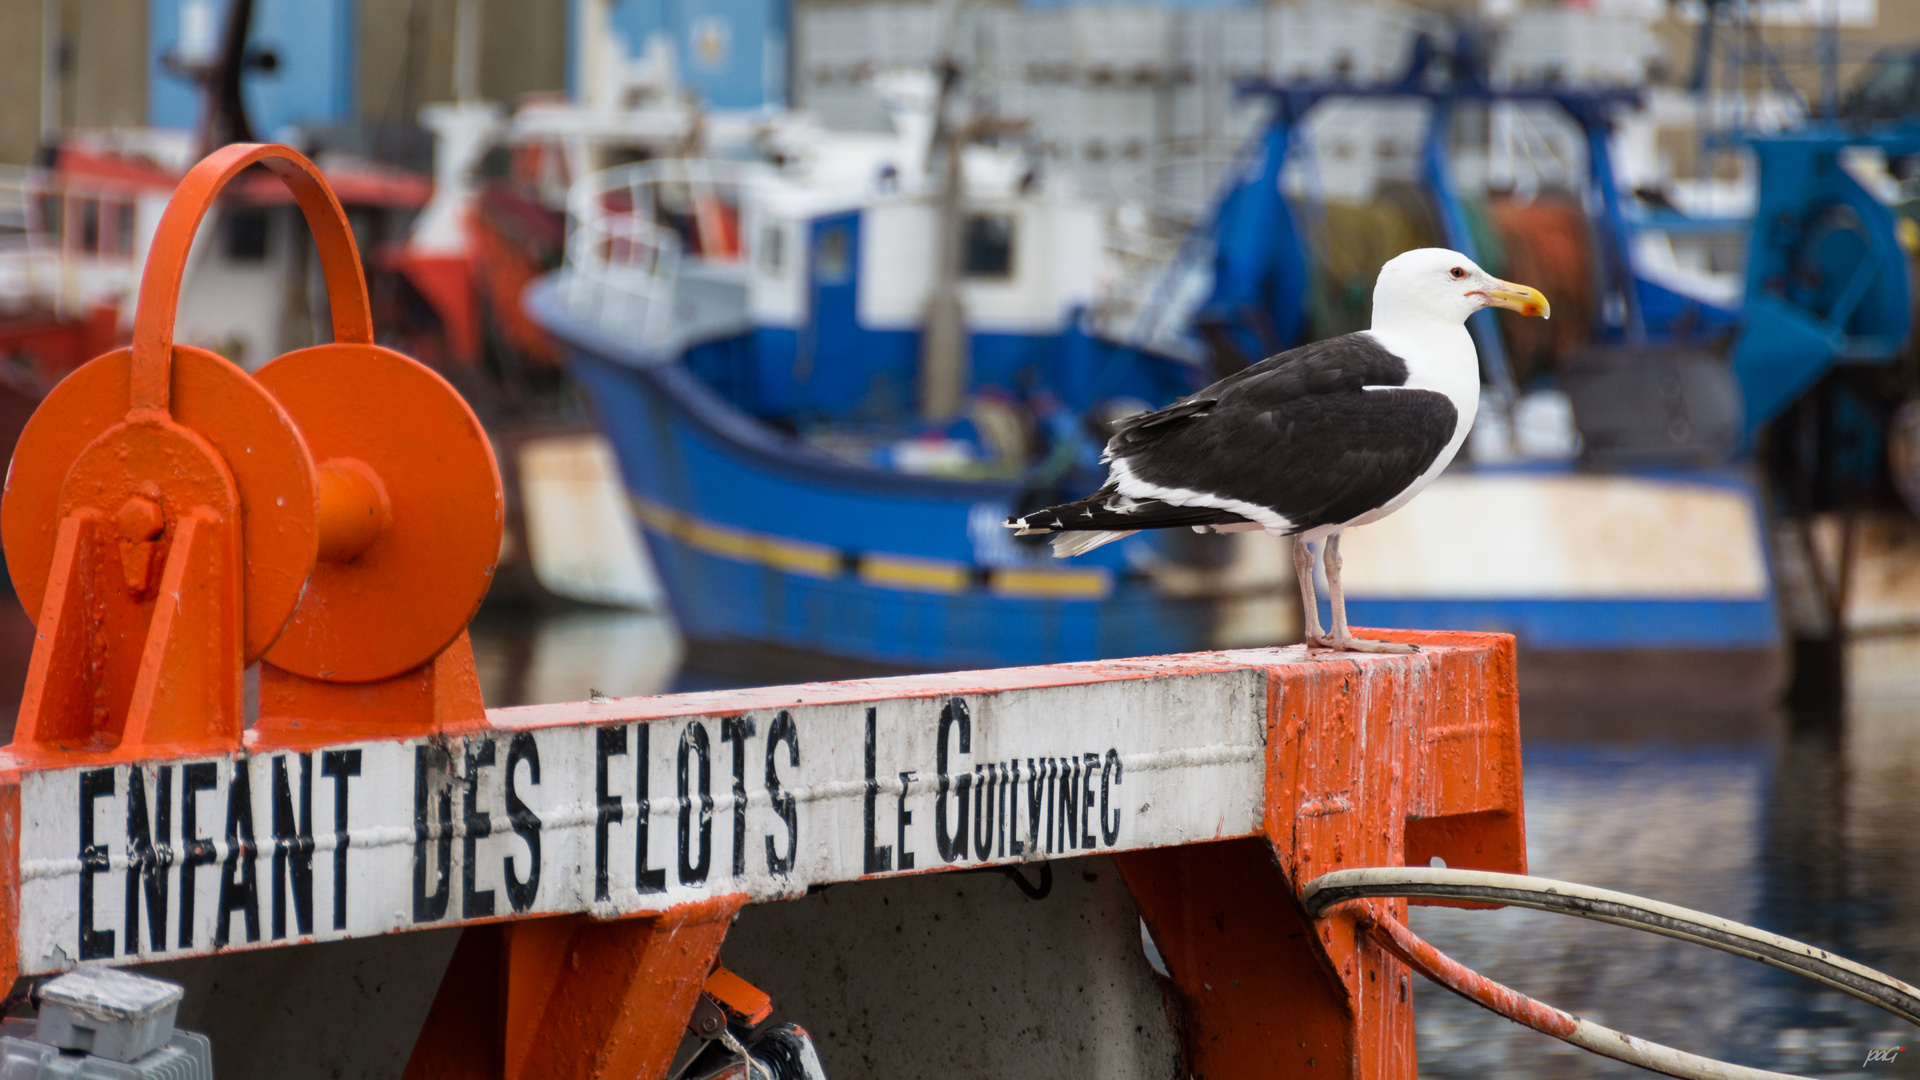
(239, 879)
(292, 847)
(984, 791)
(1091, 764)
(646, 879)
(198, 851)
(429, 758)
(903, 817)
(694, 744)
(1110, 774)
(1014, 847)
(342, 765)
(878, 859)
(526, 824)
(952, 845)
(94, 784)
(737, 730)
(783, 731)
(609, 742)
(475, 903)
(1053, 776)
(1069, 804)
(149, 856)
(1008, 808)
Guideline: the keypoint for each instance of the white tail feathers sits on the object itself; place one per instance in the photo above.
(1070, 544)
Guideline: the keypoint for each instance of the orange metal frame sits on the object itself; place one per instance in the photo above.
(1370, 761)
(171, 518)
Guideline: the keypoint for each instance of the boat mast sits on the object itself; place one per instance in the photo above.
(943, 335)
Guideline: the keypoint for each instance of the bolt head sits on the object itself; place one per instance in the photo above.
(140, 519)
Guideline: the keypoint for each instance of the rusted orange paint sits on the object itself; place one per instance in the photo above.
(1376, 761)
(622, 1003)
(9, 876)
(1258, 998)
(298, 713)
(738, 996)
(187, 693)
(64, 698)
(128, 668)
(537, 953)
(572, 998)
(1392, 934)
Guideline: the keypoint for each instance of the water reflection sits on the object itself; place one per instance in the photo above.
(527, 657)
(1804, 829)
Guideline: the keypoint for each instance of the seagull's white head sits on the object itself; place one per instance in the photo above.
(1426, 286)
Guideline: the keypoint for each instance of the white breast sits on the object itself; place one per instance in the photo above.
(1442, 360)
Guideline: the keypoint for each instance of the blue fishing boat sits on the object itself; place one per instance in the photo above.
(762, 400)
(821, 431)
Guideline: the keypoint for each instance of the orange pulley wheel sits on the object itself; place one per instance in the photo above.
(411, 512)
(168, 517)
(252, 439)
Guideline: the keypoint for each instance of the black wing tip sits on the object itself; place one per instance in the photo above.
(1040, 521)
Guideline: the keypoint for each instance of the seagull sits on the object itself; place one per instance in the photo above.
(1311, 442)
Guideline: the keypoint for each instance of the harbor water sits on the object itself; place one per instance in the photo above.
(1803, 826)
(1800, 825)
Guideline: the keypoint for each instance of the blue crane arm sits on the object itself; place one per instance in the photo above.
(1827, 281)
(1259, 259)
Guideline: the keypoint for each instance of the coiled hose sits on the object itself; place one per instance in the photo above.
(1602, 905)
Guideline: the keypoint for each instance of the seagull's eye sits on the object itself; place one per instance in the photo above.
(1458, 271)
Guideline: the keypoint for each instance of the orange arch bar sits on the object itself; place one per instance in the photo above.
(167, 258)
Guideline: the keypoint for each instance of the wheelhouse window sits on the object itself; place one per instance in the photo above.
(246, 235)
(988, 248)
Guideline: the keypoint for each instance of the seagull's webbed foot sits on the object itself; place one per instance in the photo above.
(1349, 643)
(1340, 638)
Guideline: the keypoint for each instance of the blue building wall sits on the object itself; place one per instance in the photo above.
(314, 81)
(732, 53)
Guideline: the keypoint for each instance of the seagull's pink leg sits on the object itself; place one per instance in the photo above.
(1309, 606)
(1341, 637)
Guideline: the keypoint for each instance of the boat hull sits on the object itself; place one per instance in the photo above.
(1572, 560)
(756, 541)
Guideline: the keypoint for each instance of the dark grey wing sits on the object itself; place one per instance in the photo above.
(1298, 435)
(1337, 364)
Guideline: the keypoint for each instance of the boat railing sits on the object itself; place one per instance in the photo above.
(630, 229)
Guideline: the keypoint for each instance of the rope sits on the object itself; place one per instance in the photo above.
(1620, 909)
(754, 1069)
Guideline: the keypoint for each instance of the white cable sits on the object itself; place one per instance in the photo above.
(1620, 909)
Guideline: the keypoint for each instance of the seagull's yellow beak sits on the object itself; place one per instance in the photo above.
(1521, 298)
